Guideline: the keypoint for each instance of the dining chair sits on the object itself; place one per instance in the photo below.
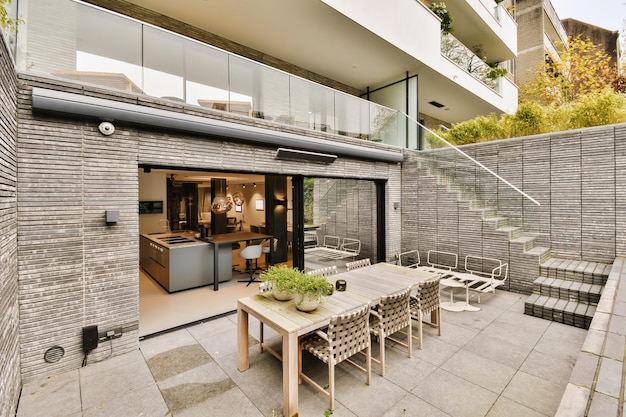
(251, 254)
(425, 301)
(323, 272)
(358, 264)
(266, 250)
(347, 335)
(391, 316)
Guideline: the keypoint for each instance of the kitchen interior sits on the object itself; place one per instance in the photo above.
(180, 213)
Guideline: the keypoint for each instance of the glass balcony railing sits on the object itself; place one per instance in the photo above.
(96, 46)
(465, 58)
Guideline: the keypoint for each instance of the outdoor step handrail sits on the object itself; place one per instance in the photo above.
(477, 163)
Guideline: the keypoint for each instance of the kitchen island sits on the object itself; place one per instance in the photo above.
(178, 261)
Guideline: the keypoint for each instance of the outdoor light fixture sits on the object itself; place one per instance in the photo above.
(294, 154)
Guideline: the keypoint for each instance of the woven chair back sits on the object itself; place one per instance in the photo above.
(428, 295)
(394, 312)
(323, 272)
(348, 333)
(358, 264)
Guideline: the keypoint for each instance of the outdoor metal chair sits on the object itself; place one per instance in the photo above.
(409, 259)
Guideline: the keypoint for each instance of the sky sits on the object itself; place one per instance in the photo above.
(608, 14)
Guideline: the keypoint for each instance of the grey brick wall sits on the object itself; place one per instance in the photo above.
(576, 175)
(9, 322)
(76, 271)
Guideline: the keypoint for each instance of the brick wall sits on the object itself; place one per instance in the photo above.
(9, 331)
(576, 177)
(76, 271)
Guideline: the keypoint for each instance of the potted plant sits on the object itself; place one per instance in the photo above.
(281, 278)
(309, 290)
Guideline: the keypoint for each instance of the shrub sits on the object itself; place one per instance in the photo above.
(479, 129)
(596, 109)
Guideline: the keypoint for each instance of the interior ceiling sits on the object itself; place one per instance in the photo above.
(314, 36)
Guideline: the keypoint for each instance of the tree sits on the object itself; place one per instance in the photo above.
(6, 21)
(583, 68)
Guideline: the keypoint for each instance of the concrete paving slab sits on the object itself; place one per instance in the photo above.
(58, 395)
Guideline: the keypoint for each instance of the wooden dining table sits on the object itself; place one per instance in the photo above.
(364, 285)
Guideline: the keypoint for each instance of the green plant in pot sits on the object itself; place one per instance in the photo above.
(309, 290)
(282, 280)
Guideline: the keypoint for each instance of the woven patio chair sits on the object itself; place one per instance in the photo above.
(358, 264)
(347, 334)
(425, 301)
(392, 316)
(323, 272)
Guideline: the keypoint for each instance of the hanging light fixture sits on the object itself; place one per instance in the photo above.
(221, 205)
(238, 198)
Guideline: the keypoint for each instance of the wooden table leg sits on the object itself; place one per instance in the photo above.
(290, 375)
(242, 340)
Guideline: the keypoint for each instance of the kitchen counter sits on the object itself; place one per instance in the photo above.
(178, 261)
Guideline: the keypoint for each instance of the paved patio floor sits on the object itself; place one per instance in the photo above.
(494, 362)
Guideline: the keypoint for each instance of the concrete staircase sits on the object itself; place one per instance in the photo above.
(567, 291)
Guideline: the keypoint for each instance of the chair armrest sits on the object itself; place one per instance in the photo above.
(322, 334)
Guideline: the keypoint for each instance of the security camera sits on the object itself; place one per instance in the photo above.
(106, 128)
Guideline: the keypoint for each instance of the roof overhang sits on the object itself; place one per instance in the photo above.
(110, 110)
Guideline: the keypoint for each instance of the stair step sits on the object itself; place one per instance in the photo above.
(568, 290)
(572, 313)
(513, 231)
(576, 270)
(527, 242)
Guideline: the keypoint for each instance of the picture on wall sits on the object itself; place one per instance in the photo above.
(259, 204)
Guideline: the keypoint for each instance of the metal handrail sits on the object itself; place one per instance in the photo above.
(479, 164)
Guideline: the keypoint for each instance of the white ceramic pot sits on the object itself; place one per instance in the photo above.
(282, 295)
(305, 302)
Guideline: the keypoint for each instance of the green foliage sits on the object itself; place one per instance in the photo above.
(531, 118)
(282, 277)
(527, 120)
(479, 129)
(597, 109)
(309, 187)
(294, 281)
(6, 21)
(315, 286)
(442, 13)
(583, 68)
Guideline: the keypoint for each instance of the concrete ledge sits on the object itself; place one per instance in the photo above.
(598, 377)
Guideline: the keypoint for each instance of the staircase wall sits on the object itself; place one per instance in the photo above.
(575, 175)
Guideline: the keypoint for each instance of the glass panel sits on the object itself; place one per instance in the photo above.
(206, 78)
(343, 209)
(267, 88)
(90, 45)
(312, 105)
(352, 116)
(384, 125)
(163, 64)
